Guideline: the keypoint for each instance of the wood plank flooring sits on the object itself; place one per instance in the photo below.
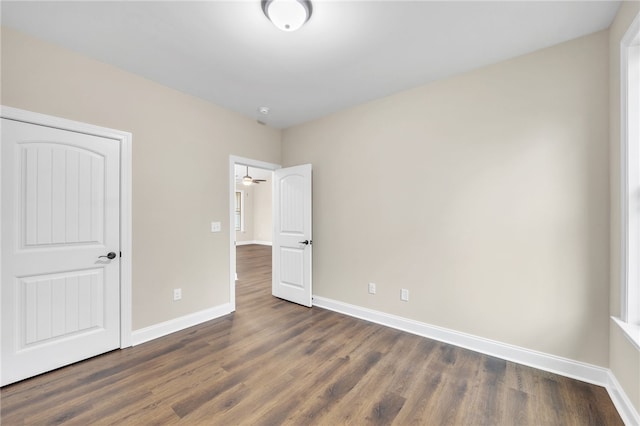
(272, 362)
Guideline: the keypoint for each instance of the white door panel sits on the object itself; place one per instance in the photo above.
(292, 239)
(58, 305)
(60, 213)
(63, 195)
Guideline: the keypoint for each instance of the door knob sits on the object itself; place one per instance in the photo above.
(305, 242)
(111, 255)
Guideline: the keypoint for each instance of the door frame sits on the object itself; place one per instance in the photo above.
(125, 141)
(241, 161)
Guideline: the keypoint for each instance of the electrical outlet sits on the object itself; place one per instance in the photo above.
(216, 226)
(177, 294)
(404, 294)
(372, 288)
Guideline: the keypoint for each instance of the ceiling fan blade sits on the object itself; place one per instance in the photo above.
(248, 178)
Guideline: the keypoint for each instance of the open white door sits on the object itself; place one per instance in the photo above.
(60, 258)
(292, 240)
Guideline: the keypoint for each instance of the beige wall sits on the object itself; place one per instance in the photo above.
(624, 358)
(262, 226)
(257, 214)
(181, 148)
(485, 195)
(247, 233)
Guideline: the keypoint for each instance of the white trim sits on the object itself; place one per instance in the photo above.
(563, 366)
(125, 140)
(554, 364)
(630, 247)
(629, 321)
(624, 186)
(246, 243)
(630, 331)
(126, 241)
(233, 160)
(621, 401)
(167, 327)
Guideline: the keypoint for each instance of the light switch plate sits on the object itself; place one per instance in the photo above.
(216, 226)
(404, 294)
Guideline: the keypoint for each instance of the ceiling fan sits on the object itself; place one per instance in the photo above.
(248, 180)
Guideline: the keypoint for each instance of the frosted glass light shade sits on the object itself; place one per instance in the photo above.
(287, 15)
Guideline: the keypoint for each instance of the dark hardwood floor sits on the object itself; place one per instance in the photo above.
(273, 362)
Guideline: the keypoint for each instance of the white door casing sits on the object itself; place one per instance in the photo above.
(292, 234)
(61, 210)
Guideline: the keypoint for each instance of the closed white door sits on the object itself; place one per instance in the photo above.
(60, 220)
(292, 239)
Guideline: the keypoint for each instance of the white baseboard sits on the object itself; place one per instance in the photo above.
(563, 366)
(246, 243)
(162, 329)
(620, 399)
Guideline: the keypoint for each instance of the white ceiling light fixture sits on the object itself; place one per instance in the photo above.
(287, 15)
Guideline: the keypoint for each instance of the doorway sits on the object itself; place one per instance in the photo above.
(250, 222)
(253, 206)
(291, 229)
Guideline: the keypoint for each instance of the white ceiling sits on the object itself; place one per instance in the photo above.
(349, 52)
